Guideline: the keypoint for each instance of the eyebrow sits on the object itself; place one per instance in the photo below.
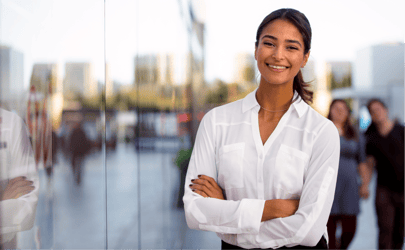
(288, 40)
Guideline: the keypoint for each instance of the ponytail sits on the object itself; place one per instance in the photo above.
(302, 88)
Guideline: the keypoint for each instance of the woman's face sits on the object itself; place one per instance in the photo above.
(280, 52)
(339, 112)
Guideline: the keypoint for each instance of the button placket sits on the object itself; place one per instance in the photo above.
(260, 184)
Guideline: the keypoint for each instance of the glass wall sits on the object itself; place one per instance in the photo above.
(100, 102)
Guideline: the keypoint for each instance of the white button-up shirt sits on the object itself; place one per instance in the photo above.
(298, 161)
(16, 159)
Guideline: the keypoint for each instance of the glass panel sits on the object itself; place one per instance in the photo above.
(52, 73)
(155, 94)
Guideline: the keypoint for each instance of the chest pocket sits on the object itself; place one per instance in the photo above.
(289, 172)
(230, 171)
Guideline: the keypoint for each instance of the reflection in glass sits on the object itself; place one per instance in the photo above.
(110, 136)
(51, 75)
(19, 183)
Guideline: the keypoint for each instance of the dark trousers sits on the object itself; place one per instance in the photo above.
(321, 245)
(390, 215)
(348, 223)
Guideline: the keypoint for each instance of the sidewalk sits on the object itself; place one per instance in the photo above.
(88, 216)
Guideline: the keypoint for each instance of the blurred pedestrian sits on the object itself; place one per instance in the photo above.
(50, 146)
(79, 146)
(263, 169)
(385, 151)
(19, 182)
(345, 206)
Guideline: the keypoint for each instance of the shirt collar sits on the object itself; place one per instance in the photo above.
(250, 102)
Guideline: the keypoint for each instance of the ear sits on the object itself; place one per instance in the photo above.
(306, 56)
(255, 53)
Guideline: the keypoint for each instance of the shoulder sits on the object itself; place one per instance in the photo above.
(318, 125)
(399, 126)
(10, 120)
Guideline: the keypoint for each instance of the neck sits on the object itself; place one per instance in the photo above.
(384, 124)
(274, 97)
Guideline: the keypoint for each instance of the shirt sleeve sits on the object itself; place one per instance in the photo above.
(221, 216)
(308, 224)
(19, 214)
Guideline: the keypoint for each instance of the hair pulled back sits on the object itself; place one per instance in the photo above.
(300, 21)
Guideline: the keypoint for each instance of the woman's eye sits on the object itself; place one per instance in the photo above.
(268, 44)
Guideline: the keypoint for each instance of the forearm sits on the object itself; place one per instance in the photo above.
(278, 208)
(223, 216)
(366, 171)
(17, 214)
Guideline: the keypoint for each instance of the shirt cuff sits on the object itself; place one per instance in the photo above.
(251, 215)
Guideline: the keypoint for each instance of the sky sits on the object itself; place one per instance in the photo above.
(76, 31)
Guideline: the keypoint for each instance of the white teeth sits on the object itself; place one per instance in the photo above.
(277, 67)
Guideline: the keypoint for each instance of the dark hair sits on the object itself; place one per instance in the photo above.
(373, 100)
(300, 21)
(348, 128)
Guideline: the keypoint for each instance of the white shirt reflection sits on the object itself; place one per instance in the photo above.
(16, 159)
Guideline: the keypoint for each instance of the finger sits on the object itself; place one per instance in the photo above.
(202, 188)
(22, 194)
(16, 179)
(25, 189)
(210, 180)
(203, 182)
(203, 194)
(21, 183)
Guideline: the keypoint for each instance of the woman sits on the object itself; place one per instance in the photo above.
(346, 203)
(263, 169)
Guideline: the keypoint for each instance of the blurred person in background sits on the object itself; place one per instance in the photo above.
(263, 169)
(385, 151)
(345, 206)
(50, 153)
(19, 182)
(79, 146)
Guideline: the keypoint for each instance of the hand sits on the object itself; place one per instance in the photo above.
(17, 187)
(207, 187)
(364, 192)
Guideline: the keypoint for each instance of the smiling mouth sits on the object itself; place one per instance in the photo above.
(276, 67)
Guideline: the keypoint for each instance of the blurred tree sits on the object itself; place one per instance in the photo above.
(249, 74)
(333, 84)
(218, 94)
(347, 81)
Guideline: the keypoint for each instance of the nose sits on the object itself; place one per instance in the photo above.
(278, 53)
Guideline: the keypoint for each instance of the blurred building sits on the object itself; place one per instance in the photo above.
(378, 72)
(154, 69)
(11, 78)
(46, 82)
(79, 80)
(44, 74)
(109, 83)
(340, 70)
(317, 75)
